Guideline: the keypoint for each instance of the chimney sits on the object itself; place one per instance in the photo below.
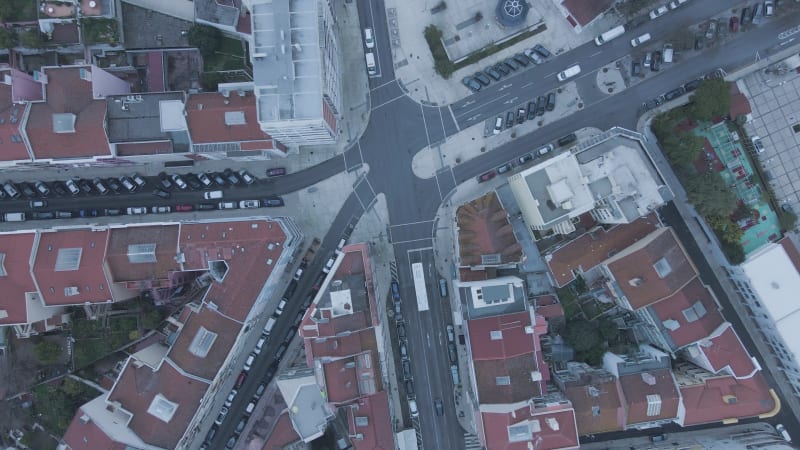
(636, 282)
(552, 423)
(85, 419)
(648, 378)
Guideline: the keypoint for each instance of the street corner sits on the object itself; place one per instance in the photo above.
(426, 163)
(609, 79)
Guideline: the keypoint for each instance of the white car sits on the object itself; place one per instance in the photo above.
(658, 12)
(635, 42)
(161, 209)
(498, 125)
(369, 40)
(245, 204)
(204, 179)
(179, 181)
(137, 210)
(675, 4)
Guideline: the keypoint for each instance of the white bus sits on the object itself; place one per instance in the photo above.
(419, 286)
(609, 35)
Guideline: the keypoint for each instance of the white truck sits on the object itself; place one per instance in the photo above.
(569, 72)
(371, 68)
(609, 35)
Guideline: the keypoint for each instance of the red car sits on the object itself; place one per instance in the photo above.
(734, 24)
(184, 208)
(487, 176)
(240, 380)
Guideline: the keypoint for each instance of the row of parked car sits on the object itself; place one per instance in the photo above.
(534, 108)
(528, 157)
(536, 55)
(678, 91)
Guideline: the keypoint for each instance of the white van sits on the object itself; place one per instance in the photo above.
(371, 68)
(212, 195)
(369, 39)
(270, 325)
(609, 35)
(329, 265)
(227, 205)
(14, 217)
(298, 274)
(412, 408)
(569, 72)
(668, 53)
(249, 363)
(635, 42)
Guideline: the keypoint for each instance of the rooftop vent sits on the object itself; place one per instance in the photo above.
(636, 282)
(648, 378)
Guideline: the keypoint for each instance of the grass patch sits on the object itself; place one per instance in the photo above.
(445, 68)
(94, 341)
(100, 31)
(230, 55)
(18, 10)
(55, 405)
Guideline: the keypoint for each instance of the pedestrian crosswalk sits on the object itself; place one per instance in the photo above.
(471, 442)
(393, 270)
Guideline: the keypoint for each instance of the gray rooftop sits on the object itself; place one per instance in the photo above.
(286, 60)
(491, 293)
(136, 118)
(308, 411)
(551, 213)
(213, 12)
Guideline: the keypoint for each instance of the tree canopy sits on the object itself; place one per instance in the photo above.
(8, 38)
(207, 39)
(47, 352)
(709, 194)
(711, 99)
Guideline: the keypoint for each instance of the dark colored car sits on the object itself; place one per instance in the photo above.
(410, 388)
(395, 291)
(521, 115)
(114, 185)
(471, 84)
(401, 331)
(165, 182)
(206, 206)
(698, 42)
(509, 119)
(512, 64)
(59, 188)
(636, 69)
(541, 104)
(270, 372)
(675, 93)
(161, 193)
(42, 215)
(240, 379)
(273, 202)
(193, 182)
(493, 73)
(505, 168)
(525, 158)
(521, 59)
(218, 178)
(486, 176)
(744, 16)
(657, 60)
(451, 353)
(500, 67)
(551, 101)
(692, 85)
(232, 178)
(276, 172)
(407, 370)
(439, 406)
(531, 110)
(88, 213)
(85, 185)
(482, 78)
(27, 190)
(566, 140)
(539, 48)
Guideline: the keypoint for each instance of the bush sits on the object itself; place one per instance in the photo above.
(47, 352)
(54, 406)
(207, 39)
(441, 62)
(787, 220)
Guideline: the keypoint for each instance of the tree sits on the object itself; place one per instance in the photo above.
(787, 220)
(582, 335)
(8, 38)
(47, 352)
(31, 38)
(207, 39)
(709, 195)
(711, 99)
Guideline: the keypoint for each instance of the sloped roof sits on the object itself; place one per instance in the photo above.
(635, 268)
(694, 321)
(15, 250)
(204, 366)
(549, 429)
(636, 391)
(599, 407)
(725, 350)
(86, 435)
(706, 402)
(126, 263)
(206, 115)
(483, 229)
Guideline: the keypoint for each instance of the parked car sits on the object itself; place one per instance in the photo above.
(525, 158)
(509, 119)
(439, 406)
(541, 104)
(205, 206)
(692, 85)
(498, 125)
(100, 186)
(137, 210)
(482, 78)
(112, 212)
(534, 56)
(160, 209)
(513, 65)
(273, 202)
(184, 208)
(675, 93)
(471, 83)
(551, 101)
(757, 144)
(769, 8)
(658, 12)
(544, 150)
(138, 180)
(42, 188)
(246, 177)
(521, 59)
(276, 172)
(218, 178)
(27, 190)
(232, 178)
(58, 186)
(42, 215)
(161, 193)
(493, 73)
(521, 115)
(193, 182)
(698, 42)
(38, 204)
(541, 50)
(245, 204)
(204, 179)
(114, 186)
(128, 184)
(648, 60)
(711, 32)
(504, 168)
(486, 176)
(636, 69)
(676, 3)
(86, 186)
(502, 69)
(563, 141)
(531, 110)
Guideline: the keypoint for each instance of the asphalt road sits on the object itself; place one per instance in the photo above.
(399, 127)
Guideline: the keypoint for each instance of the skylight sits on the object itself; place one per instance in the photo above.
(234, 118)
(68, 259)
(662, 268)
(496, 335)
(519, 432)
(142, 253)
(503, 381)
(162, 408)
(695, 312)
(3, 272)
(202, 342)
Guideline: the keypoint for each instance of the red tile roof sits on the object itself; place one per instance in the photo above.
(548, 307)
(504, 365)
(673, 307)
(727, 351)
(205, 116)
(82, 255)
(549, 429)
(791, 250)
(713, 401)
(245, 247)
(165, 239)
(584, 11)
(206, 366)
(378, 432)
(16, 250)
(137, 387)
(11, 113)
(592, 248)
(483, 229)
(67, 92)
(635, 391)
(88, 436)
(599, 407)
(740, 105)
(282, 434)
(635, 273)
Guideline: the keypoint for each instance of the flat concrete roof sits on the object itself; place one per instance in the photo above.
(137, 117)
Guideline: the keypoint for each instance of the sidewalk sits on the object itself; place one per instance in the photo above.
(414, 63)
